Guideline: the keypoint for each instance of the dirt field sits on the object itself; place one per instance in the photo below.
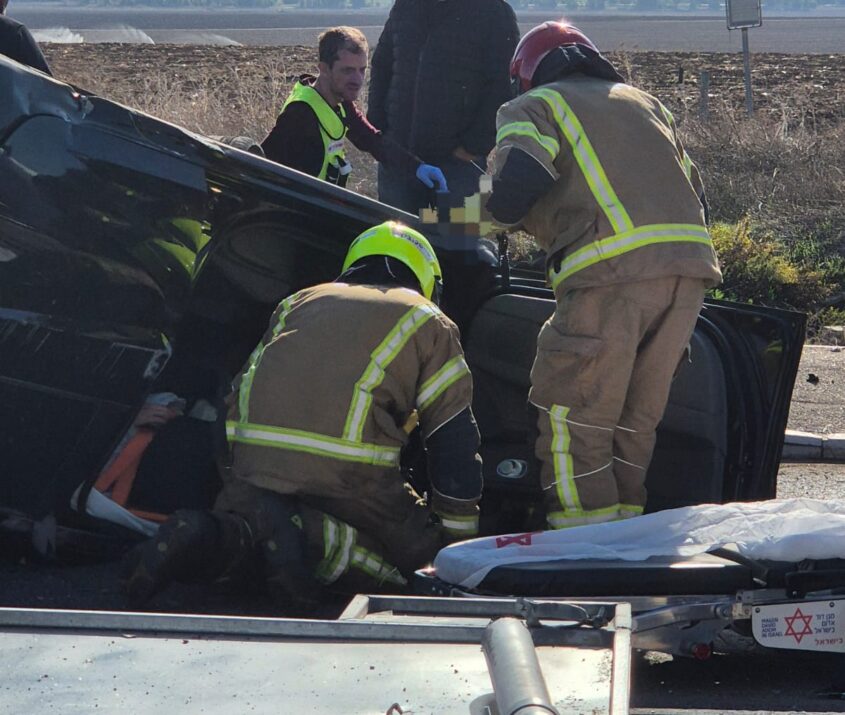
(808, 87)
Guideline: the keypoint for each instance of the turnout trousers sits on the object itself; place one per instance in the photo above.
(334, 552)
(600, 380)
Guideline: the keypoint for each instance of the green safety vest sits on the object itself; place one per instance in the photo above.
(335, 169)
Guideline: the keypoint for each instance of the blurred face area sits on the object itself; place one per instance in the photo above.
(3, 4)
(343, 81)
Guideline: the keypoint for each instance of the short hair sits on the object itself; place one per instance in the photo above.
(335, 39)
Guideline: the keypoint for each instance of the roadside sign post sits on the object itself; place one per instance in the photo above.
(743, 14)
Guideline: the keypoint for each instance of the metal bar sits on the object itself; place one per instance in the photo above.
(515, 670)
(493, 607)
(236, 627)
(671, 615)
(638, 603)
(358, 607)
(620, 678)
(30, 620)
(746, 64)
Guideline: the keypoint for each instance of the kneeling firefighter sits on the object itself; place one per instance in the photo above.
(313, 493)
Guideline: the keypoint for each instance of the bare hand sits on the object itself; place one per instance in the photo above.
(463, 154)
(155, 415)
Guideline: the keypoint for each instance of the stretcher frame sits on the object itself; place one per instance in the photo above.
(746, 621)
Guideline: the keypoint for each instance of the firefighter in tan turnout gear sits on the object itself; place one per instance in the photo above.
(313, 493)
(594, 169)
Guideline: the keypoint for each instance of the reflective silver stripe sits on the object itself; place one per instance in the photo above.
(586, 157)
(462, 525)
(380, 358)
(441, 380)
(620, 244)
(312, 442)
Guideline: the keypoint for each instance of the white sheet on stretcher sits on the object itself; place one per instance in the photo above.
(777, 530)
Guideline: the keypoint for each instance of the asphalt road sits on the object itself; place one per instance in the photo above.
(818, 400)
(822, 32)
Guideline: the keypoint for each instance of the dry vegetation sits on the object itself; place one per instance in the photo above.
(776, 182)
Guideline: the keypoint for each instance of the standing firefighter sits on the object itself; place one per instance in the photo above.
(313, 488)
(595, 170)
(311, 130)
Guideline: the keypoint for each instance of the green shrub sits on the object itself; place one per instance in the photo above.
(756, 269)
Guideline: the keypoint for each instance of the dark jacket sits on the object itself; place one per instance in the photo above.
(17, 43)
(439, 73)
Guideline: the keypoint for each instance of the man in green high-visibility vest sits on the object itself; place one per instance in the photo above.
(321, 112)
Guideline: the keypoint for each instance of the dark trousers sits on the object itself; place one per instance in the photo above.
(408, 193)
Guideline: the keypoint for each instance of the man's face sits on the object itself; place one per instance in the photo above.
(3, 4)
(346, 75)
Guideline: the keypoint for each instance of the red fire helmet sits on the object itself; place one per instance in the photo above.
(536, 44)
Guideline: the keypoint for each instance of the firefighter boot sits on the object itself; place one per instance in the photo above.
(289, 579)
(184, 549)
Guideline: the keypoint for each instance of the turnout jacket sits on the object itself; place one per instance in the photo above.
(321, 405)
(623, 198)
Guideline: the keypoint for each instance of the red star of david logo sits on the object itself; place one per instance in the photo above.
(805, 629)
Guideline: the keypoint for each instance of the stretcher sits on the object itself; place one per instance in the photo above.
(742, 577)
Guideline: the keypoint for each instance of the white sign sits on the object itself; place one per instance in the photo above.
(743, 13)
(811, 625)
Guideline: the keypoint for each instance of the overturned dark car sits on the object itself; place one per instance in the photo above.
(136, 257)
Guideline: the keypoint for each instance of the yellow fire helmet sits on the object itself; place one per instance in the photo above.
(406, 245)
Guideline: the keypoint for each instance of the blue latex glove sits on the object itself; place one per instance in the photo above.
(432, 177)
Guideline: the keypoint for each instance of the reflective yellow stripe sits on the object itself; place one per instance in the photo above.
(380, 358)
(527, 129)
(441, 380)
(687, 165)
(564, 520)
(245, 387)
(375, 566)
(667, 115)
(313, 443)
(621, 243)
(628, 510)
(587, 159)
(567, 493)
(685, 160)
(338, 542)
